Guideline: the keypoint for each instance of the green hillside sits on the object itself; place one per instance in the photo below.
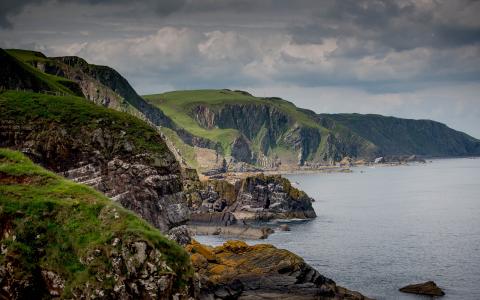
(17, 74)
(49, 224)
(396, 136)
(275, 130)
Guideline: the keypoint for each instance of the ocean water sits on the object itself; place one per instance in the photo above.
(380, 228)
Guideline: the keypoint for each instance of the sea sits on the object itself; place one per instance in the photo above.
(380, 228)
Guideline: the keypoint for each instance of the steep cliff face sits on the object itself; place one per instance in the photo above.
(59, 239)
(258, 197)
(115, 153)
(16, 75)
(395, 136)
(266, 132)
(104, 76)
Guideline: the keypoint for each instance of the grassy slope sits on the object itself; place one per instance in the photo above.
(178, 104)
(77, 113)
(56, 83)
(68, 221)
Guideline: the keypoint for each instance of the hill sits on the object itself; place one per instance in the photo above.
(274, 133)
(116, 153)
(396, 136)
(62, 239)
(267, 132)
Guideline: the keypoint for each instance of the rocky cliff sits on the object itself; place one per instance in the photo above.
(272, 133)
(397, 137)
(259, 198)
(59, 239)
(117, 154)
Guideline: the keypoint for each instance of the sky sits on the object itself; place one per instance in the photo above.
(411, 58)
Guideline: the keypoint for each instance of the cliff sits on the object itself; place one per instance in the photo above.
(254, 198)
(117, 154)
(59, 239)
(396, 136)
(272, 133)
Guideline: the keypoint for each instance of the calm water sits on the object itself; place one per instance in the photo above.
(384, 228)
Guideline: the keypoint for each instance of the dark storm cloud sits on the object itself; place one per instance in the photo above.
(402, 51)
(10, 8)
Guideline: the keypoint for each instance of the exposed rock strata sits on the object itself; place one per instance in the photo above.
(238, 271)
(258, 197)
(107, 158)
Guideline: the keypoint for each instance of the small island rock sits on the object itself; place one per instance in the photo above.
(426, 288)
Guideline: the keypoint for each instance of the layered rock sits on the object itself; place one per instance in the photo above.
(267, 197)
(236, 270)
(59, 239)
(219, 207)
(116, 154)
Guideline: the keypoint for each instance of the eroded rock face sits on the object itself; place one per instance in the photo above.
(241, 150)
(257, 197)
(108, 159)
(266, 197)
(236, 270)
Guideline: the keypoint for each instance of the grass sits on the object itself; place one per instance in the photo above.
(55, 83)
(178, 104)
(77, 114)
(58, 223)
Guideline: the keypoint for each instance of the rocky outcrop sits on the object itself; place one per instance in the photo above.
(241, 150)
(221, 204)
(428, 288)
(236, 270)
(63, 240)
(266, 197)
(116, 154)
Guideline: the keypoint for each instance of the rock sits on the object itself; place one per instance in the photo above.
(267, 197)
(144, 178)
(236, 270)
(346, 162)
(427, 288)
(284, 227)
(241, 150)
(379, 160)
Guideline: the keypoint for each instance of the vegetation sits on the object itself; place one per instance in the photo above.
(77, 114)
(57, 84)
(55, 224)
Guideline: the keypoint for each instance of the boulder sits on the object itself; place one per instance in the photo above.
(427, 288)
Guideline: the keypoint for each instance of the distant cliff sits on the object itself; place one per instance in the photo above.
(219, 130)
(274, 133)
(396, 136)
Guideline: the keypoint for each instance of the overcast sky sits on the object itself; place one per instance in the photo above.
(414, 59)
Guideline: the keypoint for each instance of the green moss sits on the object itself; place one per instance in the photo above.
(57, 223)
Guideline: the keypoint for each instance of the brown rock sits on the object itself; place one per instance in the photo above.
(240, 271)
(426, 288)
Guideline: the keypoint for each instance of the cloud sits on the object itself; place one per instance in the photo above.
(375, 49)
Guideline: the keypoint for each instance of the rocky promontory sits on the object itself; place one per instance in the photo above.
(236, 205)
(236, 270)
